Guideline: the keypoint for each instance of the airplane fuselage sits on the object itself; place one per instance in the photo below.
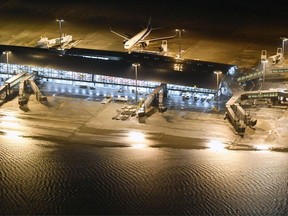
(135, 39)
(139, 38)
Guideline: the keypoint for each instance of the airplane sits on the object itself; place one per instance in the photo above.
(139, 38)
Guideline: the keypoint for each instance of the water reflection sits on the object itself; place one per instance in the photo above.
(137, 139)
(12, 129)
(78, 179)
(216, 145)
(139, 145)
(263, 147)
(136, 136)
(15, 135)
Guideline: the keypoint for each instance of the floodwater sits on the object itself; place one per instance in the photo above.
(44, 177)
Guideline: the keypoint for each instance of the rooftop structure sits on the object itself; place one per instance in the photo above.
(156, 68)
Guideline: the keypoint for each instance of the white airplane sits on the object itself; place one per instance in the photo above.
(139, 38)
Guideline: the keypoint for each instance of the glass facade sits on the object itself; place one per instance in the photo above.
(77, 78)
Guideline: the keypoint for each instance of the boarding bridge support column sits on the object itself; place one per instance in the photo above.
(280, 53)
(263, 55)
(22, 97)
(164, 46)
(3, 90)
(36, 90)
(165, 90)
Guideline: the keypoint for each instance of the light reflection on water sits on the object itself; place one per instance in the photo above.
(216, 145)
(41, 177)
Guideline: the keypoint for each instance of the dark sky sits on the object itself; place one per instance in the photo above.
(195, 14)
(212, 9)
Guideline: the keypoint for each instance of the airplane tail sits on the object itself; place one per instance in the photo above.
(150, 26)
(149, 23)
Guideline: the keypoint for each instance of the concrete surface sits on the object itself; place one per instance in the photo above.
(68, 119)
(71, 120)
(233, 42)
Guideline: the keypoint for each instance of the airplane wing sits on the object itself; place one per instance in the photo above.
(119, 34)
(160, 38)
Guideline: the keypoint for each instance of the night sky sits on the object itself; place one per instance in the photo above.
(213, 11)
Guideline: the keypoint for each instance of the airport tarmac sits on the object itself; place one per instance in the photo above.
(239, 45)
(71, 119)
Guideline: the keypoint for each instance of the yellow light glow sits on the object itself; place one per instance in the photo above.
(137, 139)
(262, 147)
(9, 118)
(216, 145)
(11, 124)
(12, 134)
(139, 145)
(178, 67)
(136, 136)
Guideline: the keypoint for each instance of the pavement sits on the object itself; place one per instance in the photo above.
(240, 45)
(69, 119)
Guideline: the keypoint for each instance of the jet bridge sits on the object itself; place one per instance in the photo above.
(267, 62)
(244, 115)
(237, 123)
(7, 89)
(232, 115)
(13, 81)
(22, 97)
(3, 92)
(240, 118)
(146, 107)
(250, 76)
(44, 42)
(37, 91)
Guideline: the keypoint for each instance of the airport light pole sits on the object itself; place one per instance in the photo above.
(264, 69)
(179, 32)
(283, 46)
(217, 87)
(135, 65)
(7, 58)
(60, 30)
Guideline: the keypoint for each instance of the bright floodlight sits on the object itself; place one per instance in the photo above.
(217, 87)
(60, 30)
(179, 31)
(7, 58)
(135, 65)
(6, 52)
(283, 46)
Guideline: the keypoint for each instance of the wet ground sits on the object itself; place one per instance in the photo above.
(218, 40)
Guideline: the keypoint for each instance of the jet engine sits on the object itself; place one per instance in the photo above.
(144, 44)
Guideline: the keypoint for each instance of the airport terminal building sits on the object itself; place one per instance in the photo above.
(113, 69)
